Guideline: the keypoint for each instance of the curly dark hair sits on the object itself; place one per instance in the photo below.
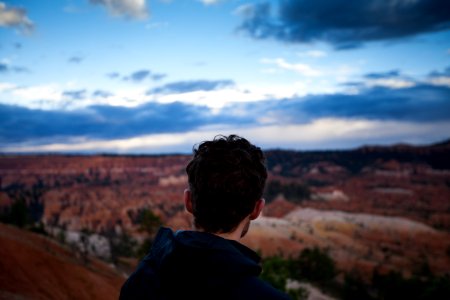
(226, 178)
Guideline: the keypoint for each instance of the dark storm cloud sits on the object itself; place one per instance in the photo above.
(75, 59)
(345, 23)
(141, 75)
(191, 86)
(75, 94)
(20, 125)
(421, 103)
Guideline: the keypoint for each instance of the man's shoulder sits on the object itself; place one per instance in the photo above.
(141, 284)
(255, 288)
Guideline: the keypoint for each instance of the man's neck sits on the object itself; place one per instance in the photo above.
(236, 234)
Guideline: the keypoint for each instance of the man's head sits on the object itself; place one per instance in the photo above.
(226, 180)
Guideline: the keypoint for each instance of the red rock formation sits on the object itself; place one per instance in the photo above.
(34, 267)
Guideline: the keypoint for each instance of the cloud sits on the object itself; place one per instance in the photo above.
(140, 75)
(391, 79)
(445, 72)
(393, 83)
(191, 86)
(441, 80)
(102, 94)
(15, 17)
(345, 24)
(419, 103)
(135, 9)
(158, 76)
(209, 2)
(318, 134)
(76, 59)
(5, 68)
(302, 69)
(6, 87)
(75, 94)
(373, 112)
(382, 75)
(440, 77)
(113, 75)
(313, 53)
(22, 125)
(25, 95)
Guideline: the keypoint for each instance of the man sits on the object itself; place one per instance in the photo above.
(226, 181)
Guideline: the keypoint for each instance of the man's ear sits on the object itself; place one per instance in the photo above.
(188, 201)
(258, 208)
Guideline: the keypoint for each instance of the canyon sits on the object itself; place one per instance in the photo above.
(372, 209)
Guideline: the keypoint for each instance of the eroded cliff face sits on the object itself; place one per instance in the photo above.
(359, 243)
(98, 193)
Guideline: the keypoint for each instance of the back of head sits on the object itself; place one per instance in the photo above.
(226, 178)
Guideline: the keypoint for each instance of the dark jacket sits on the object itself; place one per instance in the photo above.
(198, 265)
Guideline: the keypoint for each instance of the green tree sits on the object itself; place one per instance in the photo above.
(19, 213)
(148, 222)
(84, 239)
(293, 192)
(298, 294)
(276, 271)
(313, 265)
(61, 236)
(354, 289)
(395, 286)
(121, 245)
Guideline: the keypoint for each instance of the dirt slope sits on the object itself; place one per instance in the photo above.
(34, 267)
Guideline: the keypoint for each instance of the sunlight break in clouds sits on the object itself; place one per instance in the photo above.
(29, 96)
(136, 9)
(326, 132)
(53, 96)
(215, 100)
(218, 99)
(393, 83)
(302, 69)
(313, 53)
(440, 80)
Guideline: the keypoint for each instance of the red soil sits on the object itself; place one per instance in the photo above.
(35, 267)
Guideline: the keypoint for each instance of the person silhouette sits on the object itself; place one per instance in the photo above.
(226, 179)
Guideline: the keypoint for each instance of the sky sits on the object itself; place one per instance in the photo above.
(142, 76)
